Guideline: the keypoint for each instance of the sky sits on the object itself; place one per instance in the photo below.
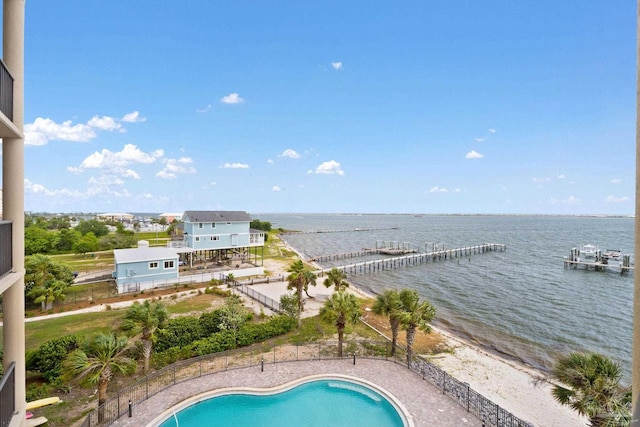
(453, 107)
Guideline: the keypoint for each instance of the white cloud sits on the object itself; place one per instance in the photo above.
(235, 166)
(329, 168)
(616, 181)
(614, 199)
(107, 159)
(174, 167)
(291, 154)
(104, 123)
(203, 110)
(148, 196)
(571, 200)
(481, 139)
(337, 65)
(437, 189)
(133, 117)
(212, 183)
(473, 155)
(540, 180)
(232, 98)
(43, 130)
(492, 130)
(561, 176)
(30, 187)
(270, 161)
(276, 188)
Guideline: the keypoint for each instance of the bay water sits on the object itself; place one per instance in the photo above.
(521, 303)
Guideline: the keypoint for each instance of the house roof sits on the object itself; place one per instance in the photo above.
(143, 254)
(217, 216)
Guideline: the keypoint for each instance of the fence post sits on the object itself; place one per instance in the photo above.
(468, 390)
(444, 382)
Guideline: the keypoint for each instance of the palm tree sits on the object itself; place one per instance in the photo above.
(145, 319)
(309, 279)
(341, 308)
(414, 315)
(97, 361)
(388, 304)
(53, 290)
(337, 279)
(299, 279)
(45, 280)
(592, 388)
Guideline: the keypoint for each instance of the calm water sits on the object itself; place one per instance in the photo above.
(352, 405)
(520, 303)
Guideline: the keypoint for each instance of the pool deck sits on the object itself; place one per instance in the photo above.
(425, 404)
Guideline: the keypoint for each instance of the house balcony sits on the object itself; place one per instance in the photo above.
(8, 416)
(7, 275)
(6, 247)
(7, 128)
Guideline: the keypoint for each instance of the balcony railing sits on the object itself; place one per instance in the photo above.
(6, 250)
(8, 396)
(6, 91)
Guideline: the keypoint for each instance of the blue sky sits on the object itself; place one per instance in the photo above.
(332, 106)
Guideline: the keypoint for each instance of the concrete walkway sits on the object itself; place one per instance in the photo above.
(423, 402)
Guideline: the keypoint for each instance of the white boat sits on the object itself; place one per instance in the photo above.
(612, 257)
(589, 253)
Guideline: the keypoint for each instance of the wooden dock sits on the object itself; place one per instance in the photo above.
(343, 230)
(621, 264)
(597, 266)
(385, 264)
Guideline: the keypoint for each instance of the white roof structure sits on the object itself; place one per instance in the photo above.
(143, 254)
(171, 216)
(116, 216)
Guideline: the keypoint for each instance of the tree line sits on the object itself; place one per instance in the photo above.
(56, 236)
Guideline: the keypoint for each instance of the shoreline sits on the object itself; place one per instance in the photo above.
(513, 385)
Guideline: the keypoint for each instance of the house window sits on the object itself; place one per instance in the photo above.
(197, 238)
(168, 264)
(215, 237)
(153, 265)
(200, 225)
(213, 225)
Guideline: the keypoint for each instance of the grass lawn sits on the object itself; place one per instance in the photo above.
(90, 262)
(40, 332)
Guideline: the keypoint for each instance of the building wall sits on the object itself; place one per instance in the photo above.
(130, 273)
(216, 235)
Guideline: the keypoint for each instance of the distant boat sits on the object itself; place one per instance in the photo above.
(589, 253)
(612, 258)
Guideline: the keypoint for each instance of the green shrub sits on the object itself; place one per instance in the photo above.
(210, 322)
(178, 332)
(47, 359)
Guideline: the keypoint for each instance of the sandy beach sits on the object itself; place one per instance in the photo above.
(521, 390)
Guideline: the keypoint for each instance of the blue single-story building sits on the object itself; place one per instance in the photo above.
(138, 268)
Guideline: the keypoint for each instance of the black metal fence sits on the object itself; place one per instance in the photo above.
(154, 383)
(261, 298)
(6, 91)
(6, 247)
(243, 287)
(8, 395)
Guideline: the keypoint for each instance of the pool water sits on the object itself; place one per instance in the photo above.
(321, 403)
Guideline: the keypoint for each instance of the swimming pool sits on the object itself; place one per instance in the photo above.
(310, 402)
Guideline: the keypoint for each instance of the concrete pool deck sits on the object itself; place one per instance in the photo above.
(425, 404)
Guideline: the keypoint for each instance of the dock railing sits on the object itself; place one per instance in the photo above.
(123, 402)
